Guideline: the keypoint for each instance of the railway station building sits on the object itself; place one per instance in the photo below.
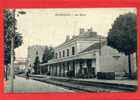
(86, 55)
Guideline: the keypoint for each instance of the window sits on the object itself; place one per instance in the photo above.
(73, 50)
(63, 53)
(59, 54)
(67, 52)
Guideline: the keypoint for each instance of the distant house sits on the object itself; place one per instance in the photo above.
(86, 55)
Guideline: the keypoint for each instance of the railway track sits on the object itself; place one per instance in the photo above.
(85, 86)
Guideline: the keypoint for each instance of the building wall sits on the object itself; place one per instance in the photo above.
(81, 45)
(81, 42)
(112, 61)
(65, 47)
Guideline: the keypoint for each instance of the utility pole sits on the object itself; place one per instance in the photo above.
(13, 31)
(12, 64)
(12, 52)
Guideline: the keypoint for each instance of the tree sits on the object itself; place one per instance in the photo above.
(122, 36)
(51, 53)
(48, 54)
(9, 22)
(36, 64)
(45, 55)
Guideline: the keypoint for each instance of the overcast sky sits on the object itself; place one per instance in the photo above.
(50, 26)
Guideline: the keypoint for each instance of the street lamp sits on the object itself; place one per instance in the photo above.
(12, 46)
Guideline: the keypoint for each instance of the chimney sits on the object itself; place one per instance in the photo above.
(82, 30)
(67, 37)
(90, 29)
(73, 36)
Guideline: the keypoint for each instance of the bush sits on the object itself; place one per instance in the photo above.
(106, 75)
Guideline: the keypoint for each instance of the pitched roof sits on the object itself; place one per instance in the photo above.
(94, 46)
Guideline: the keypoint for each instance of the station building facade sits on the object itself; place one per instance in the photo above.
(86, 55)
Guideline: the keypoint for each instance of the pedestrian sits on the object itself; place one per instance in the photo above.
(27, 74)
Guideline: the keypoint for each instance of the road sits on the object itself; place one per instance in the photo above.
(23, 85)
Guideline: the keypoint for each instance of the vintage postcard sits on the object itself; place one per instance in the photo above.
(70, 50)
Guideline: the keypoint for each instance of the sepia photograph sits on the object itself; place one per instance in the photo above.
(70, 50)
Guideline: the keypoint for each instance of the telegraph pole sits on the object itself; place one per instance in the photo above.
(13, 31)
(12, 52)
(12, 64)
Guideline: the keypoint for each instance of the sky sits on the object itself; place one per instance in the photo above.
(50, 26)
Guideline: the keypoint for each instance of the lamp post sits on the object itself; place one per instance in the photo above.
(12, 47)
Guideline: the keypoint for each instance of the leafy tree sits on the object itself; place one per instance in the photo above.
(9, 24)
(48, 54)
(36, 64)
(45, 55)
(122, 36)
(51, 52)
